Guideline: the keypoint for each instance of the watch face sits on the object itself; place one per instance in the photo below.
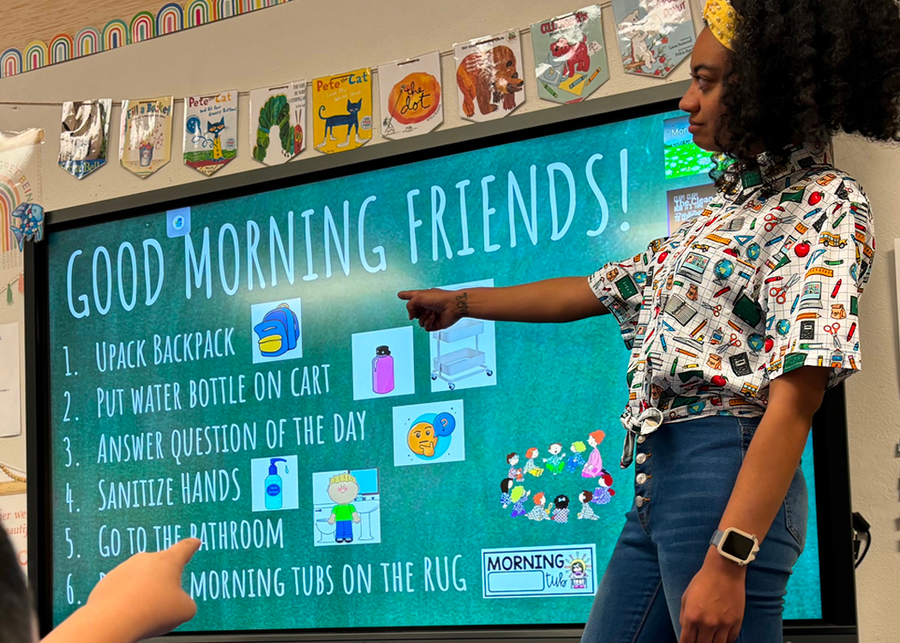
(737, 545)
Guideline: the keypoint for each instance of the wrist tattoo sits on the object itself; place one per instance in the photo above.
(462, 305)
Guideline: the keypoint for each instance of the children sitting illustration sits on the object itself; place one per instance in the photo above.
(539, 512)
(506, 486)
(512, 459)
(561, 509)
(604, 491)
(518, 497)
(587, 512)
(556, 462)
(594, 466)
(530, 466)
(576, 459)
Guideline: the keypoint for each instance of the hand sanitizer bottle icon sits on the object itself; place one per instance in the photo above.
(274, 488)
(383, 371)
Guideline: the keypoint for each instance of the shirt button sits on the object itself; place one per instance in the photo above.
(641, 478)
(639, 501)
(641, 458)
(641, 439)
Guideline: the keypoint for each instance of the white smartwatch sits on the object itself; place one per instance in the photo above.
(736, 545)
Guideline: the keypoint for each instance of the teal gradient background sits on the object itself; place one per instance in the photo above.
(554, 383)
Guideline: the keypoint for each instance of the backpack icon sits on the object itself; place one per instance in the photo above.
(278, 331)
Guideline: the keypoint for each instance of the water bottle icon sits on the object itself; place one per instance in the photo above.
(383, 371)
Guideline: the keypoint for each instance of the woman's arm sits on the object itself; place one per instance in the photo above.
(714, 601)
(552, 300)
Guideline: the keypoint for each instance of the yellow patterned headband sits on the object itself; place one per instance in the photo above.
(722, 20)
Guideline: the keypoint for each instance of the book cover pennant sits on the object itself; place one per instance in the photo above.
(489, 76)
(145, 142)
(411, 96)
(210, 131)
(84, 136)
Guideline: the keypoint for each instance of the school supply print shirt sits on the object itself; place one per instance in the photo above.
(765, 280)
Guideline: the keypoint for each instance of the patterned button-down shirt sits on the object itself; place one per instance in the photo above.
(767, 279)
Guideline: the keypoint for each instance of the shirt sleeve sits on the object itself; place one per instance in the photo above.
(619, 286)
(811, 294)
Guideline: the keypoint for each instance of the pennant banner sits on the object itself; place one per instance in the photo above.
(342, 119)
(277, 119)
(411, 98)
(145, 141)
(84, 136)
(489, 75)
(654, 35)
(210, 131)
(569, 55)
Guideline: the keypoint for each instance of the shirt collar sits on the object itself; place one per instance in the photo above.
(799, 158)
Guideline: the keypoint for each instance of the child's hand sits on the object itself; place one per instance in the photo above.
(144, 595)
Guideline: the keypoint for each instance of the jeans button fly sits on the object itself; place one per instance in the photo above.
(641, 478)
(641, 458)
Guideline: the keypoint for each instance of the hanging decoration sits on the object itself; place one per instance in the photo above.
(277, 119)
(490, 76)
(569, 55)
(28, 223)
(210, 131)
(570, 63)
(20, 183)
(654, 35)
(342, 116)
(411, 97)
(20, 280)
(84, 136)
(145, 139)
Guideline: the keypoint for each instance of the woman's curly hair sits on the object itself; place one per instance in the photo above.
(802, 70)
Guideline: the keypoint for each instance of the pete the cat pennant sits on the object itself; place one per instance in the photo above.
(210, 131)
(342, 111)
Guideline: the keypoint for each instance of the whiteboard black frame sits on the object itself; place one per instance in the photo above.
(839, 622)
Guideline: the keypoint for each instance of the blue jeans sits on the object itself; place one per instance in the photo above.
(690, 471)
(344, 530)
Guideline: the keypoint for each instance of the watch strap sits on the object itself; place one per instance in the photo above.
(716, 538)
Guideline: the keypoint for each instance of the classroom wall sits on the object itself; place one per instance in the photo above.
(305, 39)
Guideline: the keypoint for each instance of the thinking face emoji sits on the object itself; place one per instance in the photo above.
(421, 439)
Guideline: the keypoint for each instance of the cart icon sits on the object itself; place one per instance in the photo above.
(463, 362)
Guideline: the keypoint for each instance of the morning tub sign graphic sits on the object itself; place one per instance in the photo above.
(411, 96)
(490, 76)
(569, 55)
(145, 141)
(342, 111)
(654, 35)
(84, 136)
(278, 122)
(210, 131)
